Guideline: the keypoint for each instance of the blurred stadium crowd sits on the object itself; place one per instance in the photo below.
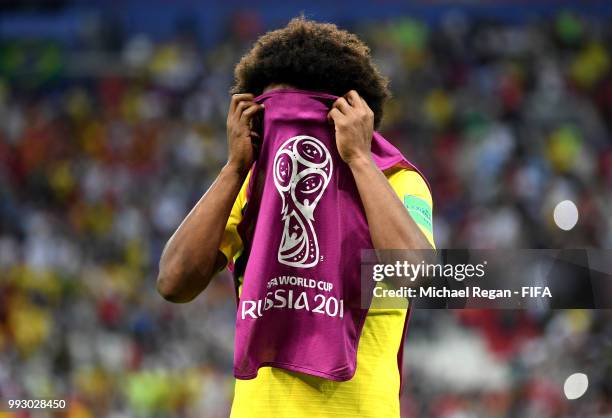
(107, 143)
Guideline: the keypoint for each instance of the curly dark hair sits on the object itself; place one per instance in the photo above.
(313, 56)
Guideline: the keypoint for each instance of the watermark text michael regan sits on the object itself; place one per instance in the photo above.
(467, 292)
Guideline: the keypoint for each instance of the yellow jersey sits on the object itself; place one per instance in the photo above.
(374, 389)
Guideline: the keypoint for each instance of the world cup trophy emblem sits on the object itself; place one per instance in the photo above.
(302, 171)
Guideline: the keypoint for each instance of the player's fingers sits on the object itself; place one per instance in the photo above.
(248, 113)
(334, 115)
(241, 107)
(237, 98)
(354, 99)
(342, 105)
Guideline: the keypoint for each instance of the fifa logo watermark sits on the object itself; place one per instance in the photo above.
(302, 171)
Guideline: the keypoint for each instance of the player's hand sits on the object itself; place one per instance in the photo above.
(354, 124)
(242, 135)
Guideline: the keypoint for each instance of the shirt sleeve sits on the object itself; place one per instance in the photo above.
(231, 244)
(414, 193)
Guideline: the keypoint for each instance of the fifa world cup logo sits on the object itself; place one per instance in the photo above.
(302, 171)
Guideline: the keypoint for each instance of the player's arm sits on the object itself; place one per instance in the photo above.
(391, 226)
(191, 256)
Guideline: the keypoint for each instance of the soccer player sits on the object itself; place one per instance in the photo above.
(397, 203)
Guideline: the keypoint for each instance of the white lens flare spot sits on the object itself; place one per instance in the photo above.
(566, 215)
(575, 385)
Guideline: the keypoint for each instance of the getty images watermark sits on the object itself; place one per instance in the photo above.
(508, 279)
(458, 272)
